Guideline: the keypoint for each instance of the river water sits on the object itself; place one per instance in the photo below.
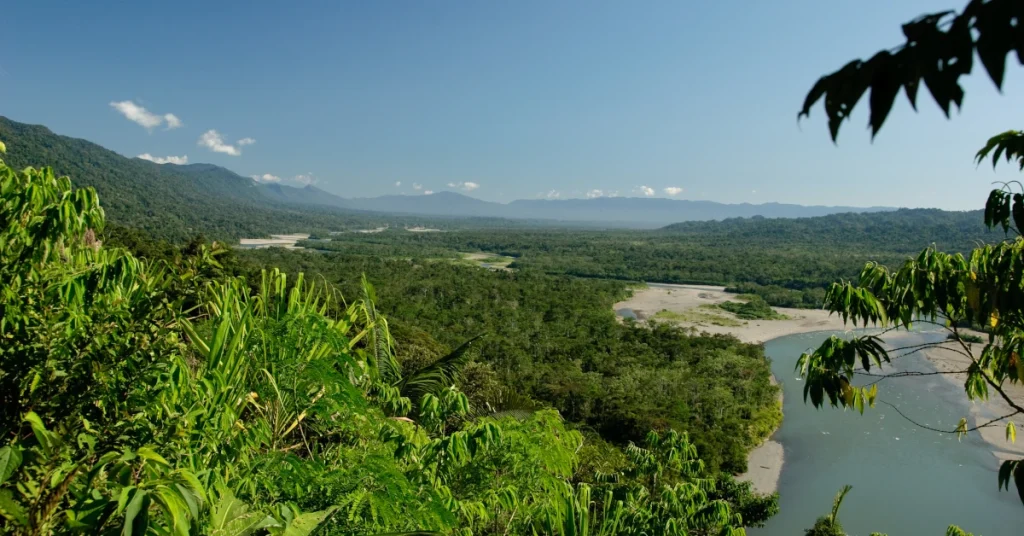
(906, 480)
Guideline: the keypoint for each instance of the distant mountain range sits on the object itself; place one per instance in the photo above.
(614, 211)
(639, 211)
(176, 200)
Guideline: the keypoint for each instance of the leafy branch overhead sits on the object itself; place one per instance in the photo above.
(940, 48)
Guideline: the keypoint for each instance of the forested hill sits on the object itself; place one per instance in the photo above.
(900, 231)
(169, 201)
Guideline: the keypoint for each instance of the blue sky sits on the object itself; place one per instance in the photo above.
(521, 99)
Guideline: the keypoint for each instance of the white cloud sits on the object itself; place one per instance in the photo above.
(753, 191)
(245, 141)
(212, 140)
(646, 190)
(137, 114)
(553, 194)
(613, 194)
(428, 192)
(304, 179)
(673, 190)
(398, 184)
(591, 194)
(172, 121)
(180, 160)
(417, 186)
(467, 186)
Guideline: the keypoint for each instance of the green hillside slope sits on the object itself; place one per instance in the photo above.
(168, 201)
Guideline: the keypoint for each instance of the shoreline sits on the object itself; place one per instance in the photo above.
(946, 360)
(765, 461)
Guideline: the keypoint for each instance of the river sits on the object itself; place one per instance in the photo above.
(906, 480)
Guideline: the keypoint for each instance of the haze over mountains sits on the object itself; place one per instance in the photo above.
(205, 196)
(610, 210)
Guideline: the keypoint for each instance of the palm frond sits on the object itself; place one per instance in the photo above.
(439, 375)
(379, 344)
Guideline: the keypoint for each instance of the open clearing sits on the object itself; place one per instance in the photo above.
(286, 241)
(488, 260)
(362, 231)
(688, 306)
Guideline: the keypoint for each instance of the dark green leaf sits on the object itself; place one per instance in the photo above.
(136, 515)
(885, 85)
(10, 460)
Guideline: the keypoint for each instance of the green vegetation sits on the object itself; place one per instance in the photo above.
(966, 337)
(167, 201)
(808, 298)
(755, 308)
(703, 315)
(169, 396)
(496, 260)
(176, 203)
(484, 260)
(554, 341)
(829, 525)
(787, 262)
(152, 383)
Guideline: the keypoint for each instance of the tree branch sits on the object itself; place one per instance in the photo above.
(905, 374)
(954, 431)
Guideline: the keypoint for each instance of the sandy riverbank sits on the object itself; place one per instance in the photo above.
(764, 467)
(287, 241)
(686, 301)
(946, 360)
(764, 463)
(686, 306)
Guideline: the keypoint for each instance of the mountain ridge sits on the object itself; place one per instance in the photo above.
(652, 211)
(203, 197)
(166, 200)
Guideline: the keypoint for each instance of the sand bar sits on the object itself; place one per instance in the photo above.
(286, 241)
(647, 302)
(946, 360)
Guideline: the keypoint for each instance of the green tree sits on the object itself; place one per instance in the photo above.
(167, 397)
(982, 288)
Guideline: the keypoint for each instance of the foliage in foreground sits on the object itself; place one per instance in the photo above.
(155, 397)
(985, 286)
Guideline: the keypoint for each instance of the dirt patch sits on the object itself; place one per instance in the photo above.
(682, 304)
(286, 241)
